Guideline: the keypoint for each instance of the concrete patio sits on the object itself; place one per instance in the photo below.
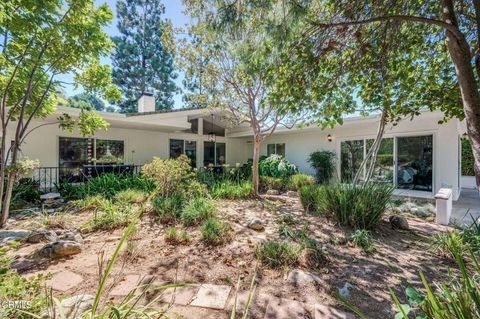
(466, 208)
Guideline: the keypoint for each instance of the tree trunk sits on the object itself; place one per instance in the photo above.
(459, 51)
(256, 160)
(7, 199)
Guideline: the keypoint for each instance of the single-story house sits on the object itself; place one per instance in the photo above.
(419, 156)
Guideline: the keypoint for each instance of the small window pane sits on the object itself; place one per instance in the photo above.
(415, 162)
(191, 152)
(351, 155)
(176, 148)
(280, 150)
(270, 149)
(220, 154)
(208, 154)
(109, 152)
(384, 166)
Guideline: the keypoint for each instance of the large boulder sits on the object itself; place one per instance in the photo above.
(399, 222)
(58, 249)
(39, 235)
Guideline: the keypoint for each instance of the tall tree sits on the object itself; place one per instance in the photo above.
(86, 101)
(37, 43)
(143, 59)
(235, 76)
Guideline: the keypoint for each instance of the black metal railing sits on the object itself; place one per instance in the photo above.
(48, 178)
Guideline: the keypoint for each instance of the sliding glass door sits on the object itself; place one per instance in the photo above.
(405, 161)
(415, 162)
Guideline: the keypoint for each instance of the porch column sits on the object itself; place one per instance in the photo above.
(200, 143)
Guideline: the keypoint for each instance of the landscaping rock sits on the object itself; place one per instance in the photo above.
(59, 249)
(344, 292)
(399, 222)
(50, 196)
(292, 194)
(256, 224)
(7, 236)
(39, 235)
(65, 280)
(71, 236)
(273, 192)
(299, 277)
(76, 306)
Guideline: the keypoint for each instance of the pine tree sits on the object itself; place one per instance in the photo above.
(142, 62)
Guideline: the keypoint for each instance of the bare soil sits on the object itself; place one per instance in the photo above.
(399, 257)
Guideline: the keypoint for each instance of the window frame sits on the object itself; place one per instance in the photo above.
(275, 146)
(184, 141)
(215, 153)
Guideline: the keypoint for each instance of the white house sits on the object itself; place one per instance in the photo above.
(419, 156)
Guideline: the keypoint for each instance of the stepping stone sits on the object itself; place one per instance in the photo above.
(124, 287)
(300, 277)
(212, 296)
(279, 308)
(326, 312)
(180, 295)
(65, 280)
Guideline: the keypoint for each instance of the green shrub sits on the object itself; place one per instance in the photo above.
(362, 238)
(108, 185)
(131, 196)
(232, 190)
(198, 210)
(215, 232)
(107, 215)
(467, 158)
(268, 182)
(309, 197)
(70, 191)
(279, 254)
(172, 235)
(168, 209)
(324, 164)
(25, 191)
(276, 166)
(298, 181)
(356, 206)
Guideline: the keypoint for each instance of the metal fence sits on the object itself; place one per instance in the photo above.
(47, 178)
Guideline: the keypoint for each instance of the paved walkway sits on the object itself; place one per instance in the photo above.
(212, 301)
(466, 208)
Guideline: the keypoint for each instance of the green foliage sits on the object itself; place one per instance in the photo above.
(467, 158)
(324, 164)
(362, 238)
(231, 190)
(131, 196)
(278, 254)
(25, 192)
(173, 236)
(465, 239)
(172, 176)
(298, 181)
(15, 287)
(109, 185)
(144, 37)
(356, 206)
(70, 191)
(86, 101)
(309, 197)
(215, 232)
(198, 210)
(268, 182)
(276, 166)
(168, 209)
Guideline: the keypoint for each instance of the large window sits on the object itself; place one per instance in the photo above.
(278, 149)
(109, 152)
(214, 154)
(189, 148)
(415, 162)
(75, 152)
(410, 167)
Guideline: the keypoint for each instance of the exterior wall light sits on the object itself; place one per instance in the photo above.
(329, 138)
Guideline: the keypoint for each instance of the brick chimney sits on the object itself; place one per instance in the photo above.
(146, 103)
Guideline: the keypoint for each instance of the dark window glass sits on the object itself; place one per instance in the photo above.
(191, 152)
(270, 149)
(351, 155)
(208, 153)
(176, 148)
(109, 152)
(280, 149)
(73, 154)
(384, 166)
(220, 154)
(415, 162)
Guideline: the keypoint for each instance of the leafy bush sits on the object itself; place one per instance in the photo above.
(70, 191)
(467, 158)
(268, 182)
(232, 190)
(309, 197)
(25, 191)
(107, 215)
(215, 232)
(279, 254)
(465, 239)
(356, 206)
(172, 235)
(298, 181)
(276, 166)
(362, 238)
(131, 196)
(198, 210)
(171, 176)
(324, 164)
(168, 209)
(108, 185)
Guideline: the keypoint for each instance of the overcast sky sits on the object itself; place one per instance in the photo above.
(173, 11)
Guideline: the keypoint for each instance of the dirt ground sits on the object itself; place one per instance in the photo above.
(399, 257)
